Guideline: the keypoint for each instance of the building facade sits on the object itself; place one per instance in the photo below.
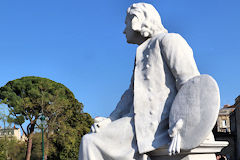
(10, 133)
(223, 121)
(228, 129)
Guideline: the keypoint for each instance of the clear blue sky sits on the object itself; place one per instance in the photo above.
(80, 44)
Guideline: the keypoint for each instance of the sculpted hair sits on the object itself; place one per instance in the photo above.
(146, 19)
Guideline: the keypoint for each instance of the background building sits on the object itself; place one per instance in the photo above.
(10, 133)
(228, 129)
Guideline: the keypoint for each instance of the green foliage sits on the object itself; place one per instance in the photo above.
(3, 150)
(37, 146)
(67, 139)
(26, 97)
(17, 150)
(66, 122)
(12, 149)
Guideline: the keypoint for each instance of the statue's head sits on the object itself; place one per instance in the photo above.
(142, 22)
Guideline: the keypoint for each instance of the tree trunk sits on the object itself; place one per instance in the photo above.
(29, 147)
(46, 149)
(29, 143)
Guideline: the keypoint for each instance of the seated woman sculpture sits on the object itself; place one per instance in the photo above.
(140, 123)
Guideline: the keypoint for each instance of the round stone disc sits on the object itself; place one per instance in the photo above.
(197, 104)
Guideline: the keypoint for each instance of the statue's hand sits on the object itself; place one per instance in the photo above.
(100, 122)
(176, 138)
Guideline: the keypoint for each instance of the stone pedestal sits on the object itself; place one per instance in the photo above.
(205, 151)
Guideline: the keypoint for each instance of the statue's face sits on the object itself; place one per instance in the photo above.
(131, 35)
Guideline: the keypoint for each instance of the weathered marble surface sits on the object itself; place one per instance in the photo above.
(197, 105)
(139, 124)
(205, 151)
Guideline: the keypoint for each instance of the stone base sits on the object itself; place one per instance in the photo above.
(205, 151)
(187, 157)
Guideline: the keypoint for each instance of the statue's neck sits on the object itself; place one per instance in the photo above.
(142, 40)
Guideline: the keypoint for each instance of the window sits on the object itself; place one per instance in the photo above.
(224, 123)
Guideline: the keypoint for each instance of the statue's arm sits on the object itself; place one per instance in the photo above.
(179, 57)
(124, 105)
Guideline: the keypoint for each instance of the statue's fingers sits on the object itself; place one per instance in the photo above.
(170, 148)
(96, 126)
(101, 124)
(93, 129)
(174, 144)
(178, 142)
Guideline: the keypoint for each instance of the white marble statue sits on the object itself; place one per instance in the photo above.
(140, 123)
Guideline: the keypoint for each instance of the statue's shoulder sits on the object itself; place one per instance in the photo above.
(167, 38)
(171, 37)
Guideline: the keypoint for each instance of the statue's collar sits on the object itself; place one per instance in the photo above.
(150, 40)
